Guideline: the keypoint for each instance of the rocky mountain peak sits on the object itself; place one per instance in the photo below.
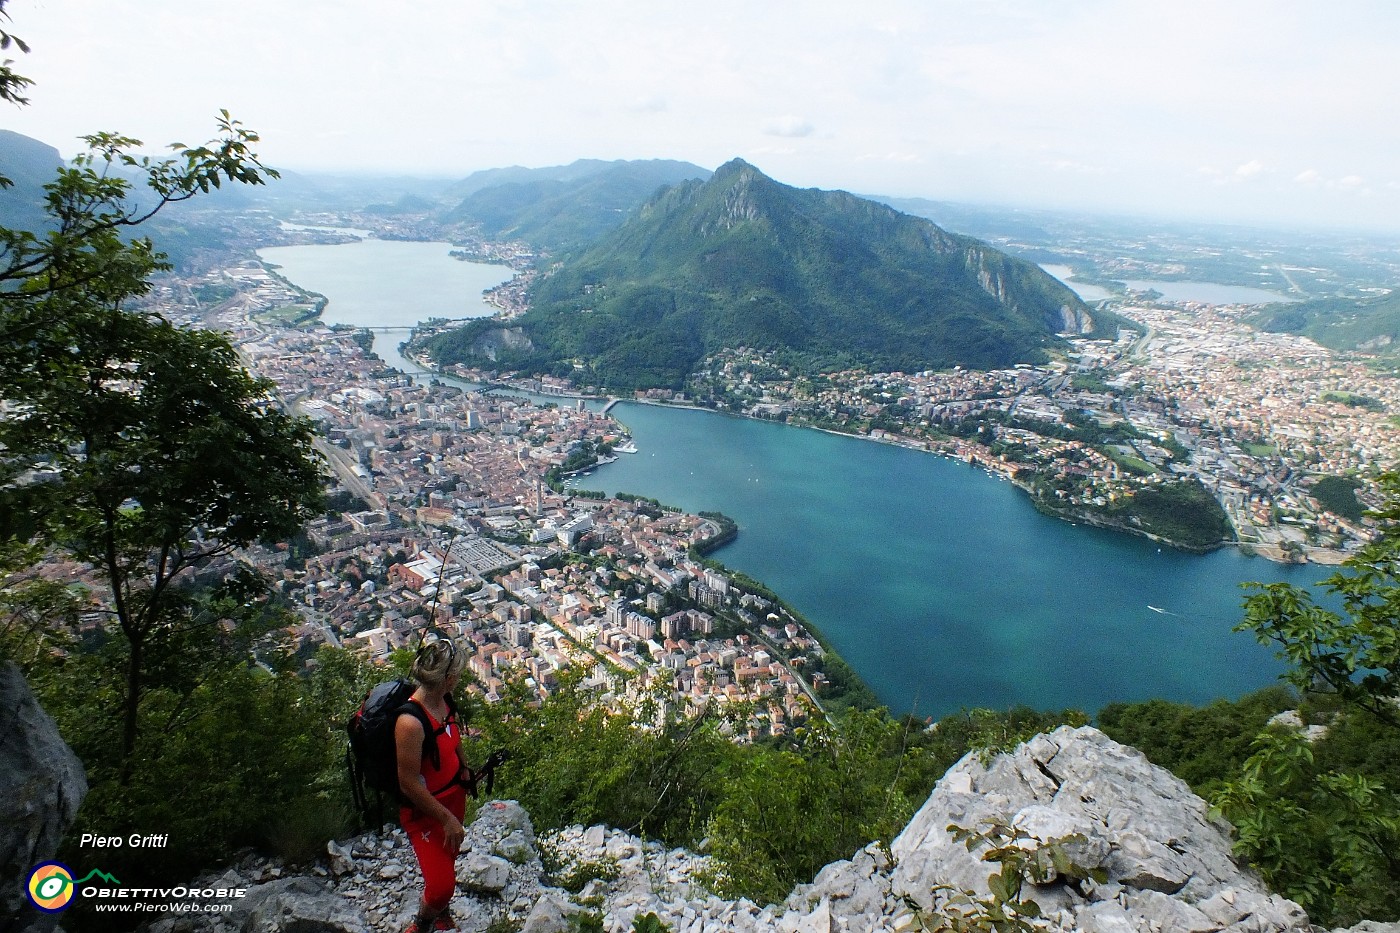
(737, 170)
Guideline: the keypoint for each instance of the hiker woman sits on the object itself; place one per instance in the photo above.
(434, 795)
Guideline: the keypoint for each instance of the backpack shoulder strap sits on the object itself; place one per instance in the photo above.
(418, 711)
(453, 714)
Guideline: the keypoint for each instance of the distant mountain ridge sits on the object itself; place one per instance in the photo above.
(565, 206)
(741, 260)
(577, 170)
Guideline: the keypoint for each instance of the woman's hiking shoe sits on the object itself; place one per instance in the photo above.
(443, 921)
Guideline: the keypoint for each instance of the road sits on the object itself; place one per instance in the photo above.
(802, 681)
(344, 468)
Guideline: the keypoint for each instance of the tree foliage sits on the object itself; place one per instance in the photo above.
(12, 84)
(634, 764)
(1184, 512)
(1204, 746)
(141, 448)
(581, 756)
(230, 754)
(1324, 838)
(1322, 822)
(1338, 494)
(1355, 653)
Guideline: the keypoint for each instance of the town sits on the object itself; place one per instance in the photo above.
(1255, 417)
(456, 517)
(459, 509)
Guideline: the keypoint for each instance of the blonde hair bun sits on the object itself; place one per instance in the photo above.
(437, 661)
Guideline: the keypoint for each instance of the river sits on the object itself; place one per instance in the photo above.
(940, 584)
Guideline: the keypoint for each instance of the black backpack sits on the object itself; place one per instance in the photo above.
(372, 757)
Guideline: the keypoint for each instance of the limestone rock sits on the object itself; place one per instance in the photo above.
(483, 874)
(550, 914)
(1089, 852)
(288, 905)
(300, 905)
(857, 890)
(1165, 857)
(514, 848)
(341, 861)
(41, 784)
(507, 816)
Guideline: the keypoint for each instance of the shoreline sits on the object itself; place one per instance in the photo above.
(1269, 552)
(865, 694)
(1330, 557)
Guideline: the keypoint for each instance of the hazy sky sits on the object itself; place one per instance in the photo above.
(1270, 111)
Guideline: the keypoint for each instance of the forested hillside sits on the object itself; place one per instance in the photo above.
(1339, 323)
(741, 260)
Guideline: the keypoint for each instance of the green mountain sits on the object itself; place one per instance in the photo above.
(561, 208)
(29, 165)
(830, 279)
(1339, 323)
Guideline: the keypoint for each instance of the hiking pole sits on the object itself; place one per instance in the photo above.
(442, 572)
(488, 770)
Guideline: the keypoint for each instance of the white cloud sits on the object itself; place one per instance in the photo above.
(1094, 103)
(1249, 169)
(790, 127)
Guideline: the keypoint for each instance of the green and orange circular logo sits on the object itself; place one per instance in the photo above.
(51, 886)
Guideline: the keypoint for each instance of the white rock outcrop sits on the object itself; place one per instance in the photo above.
(1167, 863)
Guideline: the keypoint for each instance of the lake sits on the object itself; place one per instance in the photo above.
(389, 283)
(941, 585)
(1211, 293)
(1084, 290)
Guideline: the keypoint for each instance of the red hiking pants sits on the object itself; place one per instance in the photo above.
(429, 840)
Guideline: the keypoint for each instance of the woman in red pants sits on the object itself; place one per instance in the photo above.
(435, 798)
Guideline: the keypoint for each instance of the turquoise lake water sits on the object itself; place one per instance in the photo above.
(940, 585)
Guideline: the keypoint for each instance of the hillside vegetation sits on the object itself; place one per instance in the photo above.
(1339, 323)
(741, 260)
(1184, 512)
(28, 165)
